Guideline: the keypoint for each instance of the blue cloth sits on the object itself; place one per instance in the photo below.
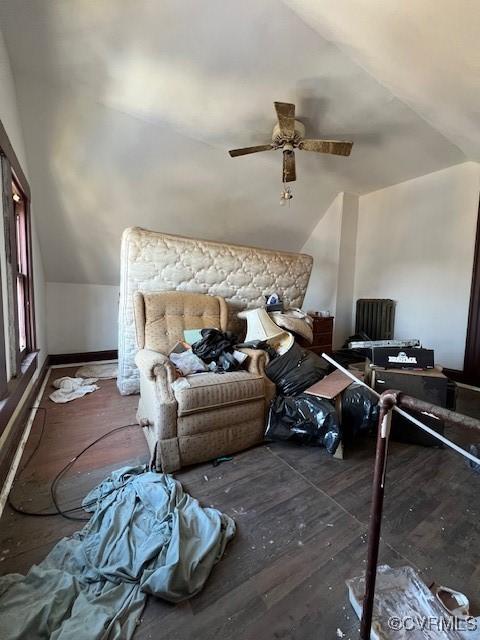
(145, 536)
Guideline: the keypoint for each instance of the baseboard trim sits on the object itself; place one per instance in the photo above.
(470, 387)
(14, 438)
(463, 377)
(77, 358)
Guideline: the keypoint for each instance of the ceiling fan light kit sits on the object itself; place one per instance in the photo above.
(288, 135)
(286, 195)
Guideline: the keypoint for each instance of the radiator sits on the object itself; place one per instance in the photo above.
(376, 318)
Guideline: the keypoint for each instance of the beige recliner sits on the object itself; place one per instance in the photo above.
(217, 414)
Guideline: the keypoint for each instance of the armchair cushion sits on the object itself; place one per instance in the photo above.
(214, 390)
(161, 317)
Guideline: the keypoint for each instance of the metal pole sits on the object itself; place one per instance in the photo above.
(388, 401)
(375, 524)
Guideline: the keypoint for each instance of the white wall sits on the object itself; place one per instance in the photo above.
(415, 244)
(324, 245)
(81, 317)
(10, 119)
(344, 319)
(332, 245)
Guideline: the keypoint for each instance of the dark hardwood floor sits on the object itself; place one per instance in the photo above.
(301, 516)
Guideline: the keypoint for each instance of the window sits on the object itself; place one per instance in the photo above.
(23, 272)
(18, 356)
(17, 319)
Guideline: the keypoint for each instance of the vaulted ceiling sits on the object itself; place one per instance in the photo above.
(129, 107)
(426, 52)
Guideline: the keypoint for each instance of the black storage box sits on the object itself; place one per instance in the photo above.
(430, 386)
(278, 306)
(403, 358)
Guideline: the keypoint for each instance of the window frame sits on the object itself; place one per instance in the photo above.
(23, 269)
(22, 364)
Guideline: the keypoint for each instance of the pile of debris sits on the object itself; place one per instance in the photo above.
(313, 405)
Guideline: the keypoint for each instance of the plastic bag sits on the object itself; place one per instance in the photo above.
(359, 409)
(402, 596)
(306, 419)
(187, 362)
(217, 346)
(296, 370)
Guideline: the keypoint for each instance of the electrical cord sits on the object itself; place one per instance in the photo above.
(65, 513)
(69, 465)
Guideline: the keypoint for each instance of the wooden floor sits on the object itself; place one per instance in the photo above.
(301, 517)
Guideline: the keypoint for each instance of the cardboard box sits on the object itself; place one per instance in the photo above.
(395, 358)
(426, 374)
(430, 385)
(330, 386)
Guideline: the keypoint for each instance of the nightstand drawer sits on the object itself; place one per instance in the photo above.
(322, 335)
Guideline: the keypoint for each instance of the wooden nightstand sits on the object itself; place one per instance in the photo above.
(322, 336)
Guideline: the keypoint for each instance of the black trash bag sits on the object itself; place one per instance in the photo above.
(259, 344)
(359, 410)
(305, 419)
(217, 346)
(296, 370)
(227, 362)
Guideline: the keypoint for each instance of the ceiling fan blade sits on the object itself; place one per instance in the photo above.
(289, 174)
(243, 152)
(286, 118)
(337, 147)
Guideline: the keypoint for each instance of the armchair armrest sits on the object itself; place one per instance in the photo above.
(157, 408)
(256, 364)
(257, 360)
(153, 363)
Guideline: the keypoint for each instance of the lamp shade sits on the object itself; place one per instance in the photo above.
(259, 325)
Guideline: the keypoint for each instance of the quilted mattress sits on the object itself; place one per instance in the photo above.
(152, 261)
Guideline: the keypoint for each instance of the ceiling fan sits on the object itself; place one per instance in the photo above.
(289, 134)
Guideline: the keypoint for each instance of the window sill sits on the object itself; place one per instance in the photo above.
(16, 388)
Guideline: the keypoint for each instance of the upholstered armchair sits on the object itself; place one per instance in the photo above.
(216, 414)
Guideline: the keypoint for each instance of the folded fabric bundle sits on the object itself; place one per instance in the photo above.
(71, 388)
(145, 536)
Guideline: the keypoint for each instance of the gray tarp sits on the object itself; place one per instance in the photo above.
(146, 536)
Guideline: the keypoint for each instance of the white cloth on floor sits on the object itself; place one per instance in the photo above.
(105, 371)
(71, 388)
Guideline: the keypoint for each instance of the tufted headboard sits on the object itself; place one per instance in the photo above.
(152, 261)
